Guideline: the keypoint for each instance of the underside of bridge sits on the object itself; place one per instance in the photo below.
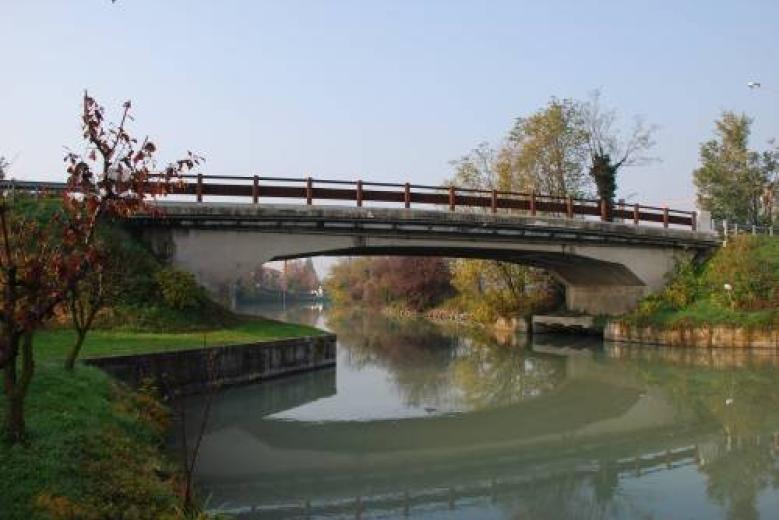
(606, 268)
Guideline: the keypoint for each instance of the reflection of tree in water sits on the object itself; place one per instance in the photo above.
(431, 363)
(416, 352)
(738, 472)
(742, 402)
(491, 375)
(574, 496)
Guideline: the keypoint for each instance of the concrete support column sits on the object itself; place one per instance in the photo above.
(603, 299)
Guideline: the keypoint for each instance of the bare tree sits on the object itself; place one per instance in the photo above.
(612, 148)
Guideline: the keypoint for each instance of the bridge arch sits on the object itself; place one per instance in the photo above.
(605, 267)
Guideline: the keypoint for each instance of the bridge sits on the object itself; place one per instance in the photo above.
(607, 257)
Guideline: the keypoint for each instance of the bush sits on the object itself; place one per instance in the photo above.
(179, 289)
(750, 266)
(697, 295)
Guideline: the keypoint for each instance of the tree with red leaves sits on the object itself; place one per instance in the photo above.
(42, 260)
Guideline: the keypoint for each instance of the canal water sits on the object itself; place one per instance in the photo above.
(443, 422)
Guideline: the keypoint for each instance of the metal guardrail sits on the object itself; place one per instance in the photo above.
(726, 229)
(257, 188)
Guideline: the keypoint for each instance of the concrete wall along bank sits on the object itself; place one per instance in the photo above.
(706, 337)
(190, 371)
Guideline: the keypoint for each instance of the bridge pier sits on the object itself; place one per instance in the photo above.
(604, 299)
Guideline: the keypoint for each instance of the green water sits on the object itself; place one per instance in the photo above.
(425, 421)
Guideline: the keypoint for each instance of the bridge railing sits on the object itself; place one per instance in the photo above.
(260, 188)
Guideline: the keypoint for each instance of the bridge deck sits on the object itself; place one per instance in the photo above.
(430, 223)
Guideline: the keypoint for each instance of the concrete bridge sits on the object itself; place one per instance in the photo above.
(607, 256)
(605, 267)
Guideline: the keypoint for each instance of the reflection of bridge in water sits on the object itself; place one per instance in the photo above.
(442, 496)
(352, 468)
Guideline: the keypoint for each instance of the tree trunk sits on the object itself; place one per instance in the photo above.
(70, 360)
(16, 391)
(14, 420)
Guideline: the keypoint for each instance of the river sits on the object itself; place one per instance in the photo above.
(435, 421)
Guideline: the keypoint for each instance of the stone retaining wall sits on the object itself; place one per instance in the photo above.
(720, 336)
(189, 371)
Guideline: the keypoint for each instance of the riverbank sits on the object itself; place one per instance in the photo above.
(94, 451)
(732, 300)
(54, 343)
(96, 447)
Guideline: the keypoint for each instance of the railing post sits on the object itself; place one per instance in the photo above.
(665, 216)
(636, 214)
(754, 229)
(199, 187)
(407, 195)
(603, 212)
(309, 190)
(451, 198)
(694, 217)
(359, 194)
(494, 201)
(256, 190)
(569, 206)
(533, 203)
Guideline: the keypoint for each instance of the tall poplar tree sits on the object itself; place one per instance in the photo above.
(734, 182)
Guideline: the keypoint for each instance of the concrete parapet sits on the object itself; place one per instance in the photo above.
(190, 371)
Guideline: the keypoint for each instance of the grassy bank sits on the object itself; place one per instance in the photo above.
(93, 452)
(54, 343)
(738, 286)
(95, 446)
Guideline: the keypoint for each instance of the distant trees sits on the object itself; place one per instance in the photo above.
(488, 289)
(4, 165)
(301, 276)
(733, 181)
(416, 282)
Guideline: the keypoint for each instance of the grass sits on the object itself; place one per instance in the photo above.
(94, 446)
(93, 451)
(54, 343)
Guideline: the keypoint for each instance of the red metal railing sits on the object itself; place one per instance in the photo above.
(360, 192)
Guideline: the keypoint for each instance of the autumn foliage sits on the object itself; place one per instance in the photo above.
(42, 260)
(416, 282)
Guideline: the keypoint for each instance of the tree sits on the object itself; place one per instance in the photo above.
(734, 182)
(417, 282)
(546, 152)
(4, 165)
(610, 148)
(43, 259)
(97, 289)
(477, 169)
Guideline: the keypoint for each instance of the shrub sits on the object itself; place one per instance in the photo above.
(179, 289)
(750, 266)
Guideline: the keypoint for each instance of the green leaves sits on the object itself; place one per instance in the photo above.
(734, 182)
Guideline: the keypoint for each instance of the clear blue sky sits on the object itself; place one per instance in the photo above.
(379, 90)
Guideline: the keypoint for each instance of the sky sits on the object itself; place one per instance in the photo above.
(379, 90)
